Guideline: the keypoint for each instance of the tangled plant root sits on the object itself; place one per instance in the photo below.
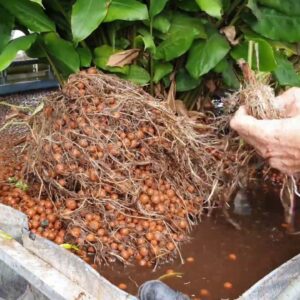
(132, 176)
(256, 95)
(259, 101)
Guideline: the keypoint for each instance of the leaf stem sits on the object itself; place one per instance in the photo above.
(103, 37)
(250, 53)
(186, 97)
(60, 7)
(233, 7)
(194, 96)
(151, 60)
(113, 42)
(133, 36)
(84, 44)
(238, 12)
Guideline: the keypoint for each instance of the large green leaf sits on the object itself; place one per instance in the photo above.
(175, 45)
(122, 43)
(267, 61)
(285, 72)
(62, 6)
(37, 1)
(161, 70)
(7, 21)
(188, 5)
(179, 39)
(229, 76)
(10, 51)
(289, 7)
(37, 50)
(288, 48)
(147, 39)
(184, 81)
(227, 4)
(211, 7)
(87, 15)
(102, 54)
(182, 23)
(252, 4)
(161, 23)
(137, 75)
(59, 11)
(221, 66)
(128, 10)
(29, 14)
(85, 56)
(156, 7)
(205, 55)
(276, 25)
(62, 53)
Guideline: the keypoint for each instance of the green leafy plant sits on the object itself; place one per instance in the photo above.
(188, 40)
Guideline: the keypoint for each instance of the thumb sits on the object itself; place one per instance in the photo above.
(242, 111)
(240, 118)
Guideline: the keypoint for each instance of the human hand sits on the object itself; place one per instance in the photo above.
(289, 102)
(278, 141)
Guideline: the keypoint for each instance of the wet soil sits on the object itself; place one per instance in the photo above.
(260, 247)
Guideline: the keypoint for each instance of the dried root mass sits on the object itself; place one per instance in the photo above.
(132, 176)
(259, 100)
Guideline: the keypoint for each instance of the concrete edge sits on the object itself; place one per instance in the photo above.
(15, 223)
(74, 268)
(275, 282)
(39, 274)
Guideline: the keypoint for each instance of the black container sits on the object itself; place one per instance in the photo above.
(26, 75)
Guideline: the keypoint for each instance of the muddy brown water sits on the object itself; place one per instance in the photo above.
(260, 247)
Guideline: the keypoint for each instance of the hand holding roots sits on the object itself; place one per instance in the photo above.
(259, 100)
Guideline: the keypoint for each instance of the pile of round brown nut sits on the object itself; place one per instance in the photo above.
(130, 175)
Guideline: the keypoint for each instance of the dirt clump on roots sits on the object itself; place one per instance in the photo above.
(133, 177)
